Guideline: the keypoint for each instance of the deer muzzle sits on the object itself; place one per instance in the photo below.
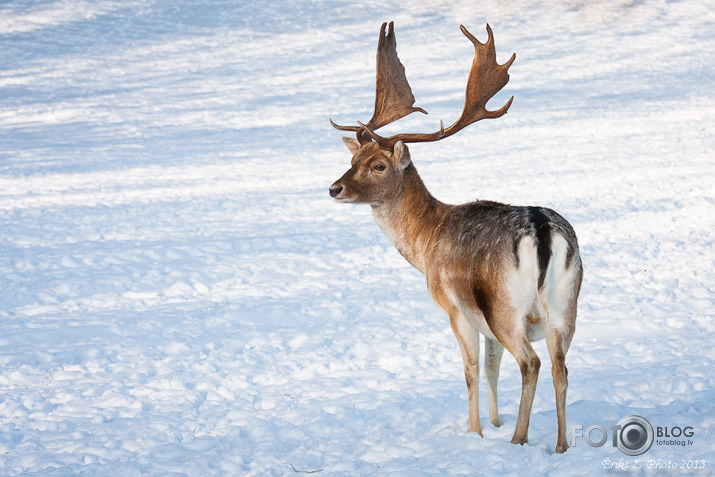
(335, 191)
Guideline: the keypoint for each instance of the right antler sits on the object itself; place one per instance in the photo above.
(393, 95)
(486, 78)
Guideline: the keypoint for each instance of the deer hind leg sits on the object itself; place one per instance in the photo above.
(492, 360)
(558, 341)
(468, 339)
(529, 365)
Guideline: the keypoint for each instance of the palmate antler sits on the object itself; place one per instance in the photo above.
(393, 95)
(394, 99)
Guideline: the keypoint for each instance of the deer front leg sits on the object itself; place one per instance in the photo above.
(492, 360)
(468, 339)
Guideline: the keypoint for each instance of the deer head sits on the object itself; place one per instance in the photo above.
(378, 162)
(375, 175)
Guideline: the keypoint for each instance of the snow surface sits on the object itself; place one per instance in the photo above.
(180, 296)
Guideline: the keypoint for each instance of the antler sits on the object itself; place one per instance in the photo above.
(393, 95)
(486, 78)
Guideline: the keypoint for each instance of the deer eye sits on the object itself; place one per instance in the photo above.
(379, 167)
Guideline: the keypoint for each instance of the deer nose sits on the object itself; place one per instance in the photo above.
(335, 190)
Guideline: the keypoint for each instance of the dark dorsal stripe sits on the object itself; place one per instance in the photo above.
(542, 231)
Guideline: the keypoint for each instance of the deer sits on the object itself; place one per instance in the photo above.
(510, 273)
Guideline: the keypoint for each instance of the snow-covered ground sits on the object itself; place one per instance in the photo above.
(180, 296)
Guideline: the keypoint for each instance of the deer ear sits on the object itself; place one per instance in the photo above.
(352, 144)
(401, 155)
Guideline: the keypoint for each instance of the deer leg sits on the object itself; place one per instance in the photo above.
(559, 373)
(468, 339)
(492, 360)
(529, 365)
(558, 341)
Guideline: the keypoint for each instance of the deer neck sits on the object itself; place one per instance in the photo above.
(411, 219)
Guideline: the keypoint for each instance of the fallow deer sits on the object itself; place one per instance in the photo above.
(510, 273)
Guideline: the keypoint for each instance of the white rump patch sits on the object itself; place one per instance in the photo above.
(559, 282)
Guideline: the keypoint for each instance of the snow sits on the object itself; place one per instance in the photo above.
(180, 296)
